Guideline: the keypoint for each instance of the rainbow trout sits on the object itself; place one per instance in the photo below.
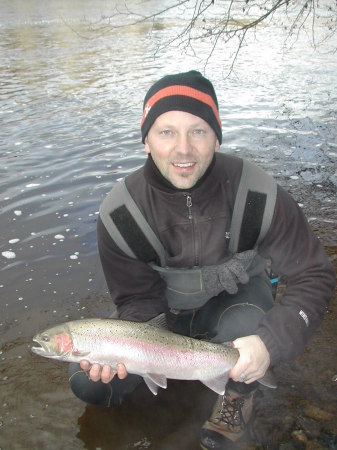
(145, 349)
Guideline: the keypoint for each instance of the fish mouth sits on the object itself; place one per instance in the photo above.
(42, 349)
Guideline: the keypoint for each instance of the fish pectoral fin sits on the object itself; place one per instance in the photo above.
(79, 353)
(154, 380)
(217, 384)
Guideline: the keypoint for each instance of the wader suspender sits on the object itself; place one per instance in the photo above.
(128, 227)
(252, 215)
(253, 208)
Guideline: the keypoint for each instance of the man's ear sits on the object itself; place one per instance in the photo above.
(217, 145)
(147, 148)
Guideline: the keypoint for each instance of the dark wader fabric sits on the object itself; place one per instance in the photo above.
(223, 318)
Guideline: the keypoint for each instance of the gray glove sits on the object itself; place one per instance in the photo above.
(226, 276)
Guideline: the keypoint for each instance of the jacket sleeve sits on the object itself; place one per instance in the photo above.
(299, 258)
(135, 288)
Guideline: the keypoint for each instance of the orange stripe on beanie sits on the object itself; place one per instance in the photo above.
(189, 92)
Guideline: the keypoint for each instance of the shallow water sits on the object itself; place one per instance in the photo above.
(71, 101)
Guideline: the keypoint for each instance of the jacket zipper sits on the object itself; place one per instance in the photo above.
(189, 205)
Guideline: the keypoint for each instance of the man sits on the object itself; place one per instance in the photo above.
(190, 196)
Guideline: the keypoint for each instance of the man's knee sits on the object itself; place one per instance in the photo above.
(237, 321)
(227, 317)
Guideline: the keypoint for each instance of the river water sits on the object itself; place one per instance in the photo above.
(71, 101)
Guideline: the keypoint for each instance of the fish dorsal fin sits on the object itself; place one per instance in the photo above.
(217, 384)
(227, 344)
(159, 321)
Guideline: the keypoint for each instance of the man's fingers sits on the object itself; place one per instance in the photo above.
(239, 370)
(107, 373)
(121, 371)
(250, 380)
(95, 372)
(104, 373)
(85, 365)
(239, 375)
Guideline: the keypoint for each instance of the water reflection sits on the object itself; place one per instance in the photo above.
(152, 422)
(71, 100)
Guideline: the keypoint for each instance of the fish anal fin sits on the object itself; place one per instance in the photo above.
(159, 380)
(217, 384)
(151, 385)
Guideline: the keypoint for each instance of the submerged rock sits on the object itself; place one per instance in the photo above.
(317, 413)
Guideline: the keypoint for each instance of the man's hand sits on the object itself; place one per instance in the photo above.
(104, 373)
(254, 359)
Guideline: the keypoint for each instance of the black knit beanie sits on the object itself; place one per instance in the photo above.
(189, 92)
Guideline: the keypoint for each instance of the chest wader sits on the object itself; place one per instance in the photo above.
(185, 288)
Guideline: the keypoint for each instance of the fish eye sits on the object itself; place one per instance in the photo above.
(45, 338)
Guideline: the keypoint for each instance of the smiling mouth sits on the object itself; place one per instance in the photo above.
(184, 165)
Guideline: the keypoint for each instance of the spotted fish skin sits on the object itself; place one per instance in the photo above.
(144, 348)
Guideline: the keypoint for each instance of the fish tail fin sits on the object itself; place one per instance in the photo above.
(268, 380)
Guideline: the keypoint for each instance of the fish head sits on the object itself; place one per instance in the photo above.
(56, 342)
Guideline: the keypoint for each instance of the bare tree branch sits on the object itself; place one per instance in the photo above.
(236, 19)
(127, 13)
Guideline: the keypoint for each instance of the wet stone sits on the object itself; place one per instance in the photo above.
(329, 440)
(317, 413)
(291, 445)
(299, 435)
(315, 445)
(310, 426)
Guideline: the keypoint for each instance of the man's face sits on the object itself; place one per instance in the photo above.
(182, 146)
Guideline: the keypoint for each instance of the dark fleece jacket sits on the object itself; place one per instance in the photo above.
(295, 252)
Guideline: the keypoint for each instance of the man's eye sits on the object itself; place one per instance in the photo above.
(199, 131)
(165, 132)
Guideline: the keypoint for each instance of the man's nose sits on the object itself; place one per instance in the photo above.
(184, 143)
